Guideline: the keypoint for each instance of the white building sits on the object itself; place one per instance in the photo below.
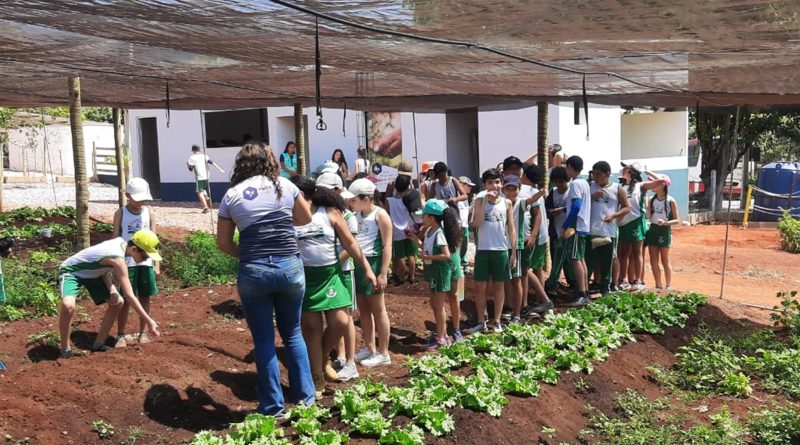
(469, 141)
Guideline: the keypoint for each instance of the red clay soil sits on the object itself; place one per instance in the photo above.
(200, 374)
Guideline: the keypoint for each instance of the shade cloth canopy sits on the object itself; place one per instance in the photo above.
(236, 53)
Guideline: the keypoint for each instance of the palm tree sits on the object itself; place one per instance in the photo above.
(81, 182)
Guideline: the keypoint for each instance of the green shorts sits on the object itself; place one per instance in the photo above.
(575, 247)
(456, 270)
(491, 264)
(348, 277)
(538, 257)
(658, 236)
(631, 232)
(404, 248)
(201, 186)
(363, 286)
(439, 275)
(325, 289)
(143, 281)
(2, 289)
(70, 284)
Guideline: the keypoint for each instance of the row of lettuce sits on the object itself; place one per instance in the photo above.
(477, 374)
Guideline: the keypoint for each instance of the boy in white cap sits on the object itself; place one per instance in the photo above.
(93, 268)
(128, 220)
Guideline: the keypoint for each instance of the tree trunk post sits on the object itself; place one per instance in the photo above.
(300, 138)
(120, 155)
(745, 179)
(541, 140)
(79, 156)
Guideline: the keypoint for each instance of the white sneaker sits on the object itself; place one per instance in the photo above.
(377, 359)
(497, 328)
(477, 328)
(363, 354)
(144, 337)
(348, 372)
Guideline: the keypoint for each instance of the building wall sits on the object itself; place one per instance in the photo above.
(604, 139)
(658, 141)
(26, 147)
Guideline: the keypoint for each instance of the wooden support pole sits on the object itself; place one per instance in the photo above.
(120, 155)
(79, 157)
(300, 138)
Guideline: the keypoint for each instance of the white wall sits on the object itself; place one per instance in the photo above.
(604, 134)
(656, 139)
(431, 140)
(505, 133)
(26, 147)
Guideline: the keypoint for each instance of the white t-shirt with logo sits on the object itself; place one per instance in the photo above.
(579, 189)
(606, 204)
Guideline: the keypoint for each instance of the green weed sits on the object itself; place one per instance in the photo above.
(199, 261)
(775, 427)
(103, 429)
(789, 228)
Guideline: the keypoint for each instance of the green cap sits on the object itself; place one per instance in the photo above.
(433, 207)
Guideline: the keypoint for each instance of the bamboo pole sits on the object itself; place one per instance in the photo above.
(79, 157)
(300, 138)
(120, 155)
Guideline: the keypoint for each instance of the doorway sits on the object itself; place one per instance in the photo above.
(148, 149)
(462, 142)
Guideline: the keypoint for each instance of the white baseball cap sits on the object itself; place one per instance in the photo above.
(327, 167)
(139, 190)
(330, 181)
(362, 186)
(345, 194)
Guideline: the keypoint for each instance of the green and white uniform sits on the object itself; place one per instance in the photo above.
(538, 256)
(491, 256)
(632, 226)
(608, 203)
(142, 275)
(325, 288)
(348, 265)
(660, 236)
(199, 164)
(520, 209)
(370, 241)
(84, 269)
(437, 273)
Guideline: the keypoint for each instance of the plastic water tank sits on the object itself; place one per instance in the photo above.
(782, 178)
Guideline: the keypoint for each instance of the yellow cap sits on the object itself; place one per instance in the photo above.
(147, 241)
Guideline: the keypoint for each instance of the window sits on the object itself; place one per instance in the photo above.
(235, 128)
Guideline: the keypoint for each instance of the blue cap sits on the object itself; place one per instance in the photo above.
(433, 207)
(511, 180)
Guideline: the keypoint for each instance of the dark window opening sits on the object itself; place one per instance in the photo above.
(235, 128)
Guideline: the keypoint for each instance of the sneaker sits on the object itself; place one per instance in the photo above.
(100, 348)
(363, 354)
(506, 315)
(605, 293)
(348, 372)
(624, 285)
(330, 373)
(144, 338)
(614, 288)
(577, 301)
(668, 288)
(497, 328)
(638, 286)
(516, 320)
(377, 359)
(457, 337)
(477, 328)
(472, 320)
(121, 342)
(438, 343)
(68, 353)
(540, 308)
(338, 363)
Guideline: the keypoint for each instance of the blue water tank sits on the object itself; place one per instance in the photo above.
(782, 178)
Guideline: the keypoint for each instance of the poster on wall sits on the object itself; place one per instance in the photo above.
(385, 145)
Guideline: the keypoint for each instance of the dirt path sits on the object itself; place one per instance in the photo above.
(757, 269)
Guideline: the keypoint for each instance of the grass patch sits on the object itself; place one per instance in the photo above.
(199, 262)
(30, 286)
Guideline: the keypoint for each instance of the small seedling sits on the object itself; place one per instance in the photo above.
(103, 429)
(549, 432)
(582, 386)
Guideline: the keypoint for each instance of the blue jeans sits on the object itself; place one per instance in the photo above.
(276, 283)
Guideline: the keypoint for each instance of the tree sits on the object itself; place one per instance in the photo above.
(768, 135)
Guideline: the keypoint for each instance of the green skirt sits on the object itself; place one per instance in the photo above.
(438, 274)
(325, 289)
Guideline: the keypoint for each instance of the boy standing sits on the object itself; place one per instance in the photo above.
(197, 163)
(128, 220)
(93, 269)
(404, 248)
(572, 242)
(511, 186)
(609, 202)
(494, 222)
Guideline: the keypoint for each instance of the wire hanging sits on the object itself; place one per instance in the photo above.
(321, 125)
(167, 103)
